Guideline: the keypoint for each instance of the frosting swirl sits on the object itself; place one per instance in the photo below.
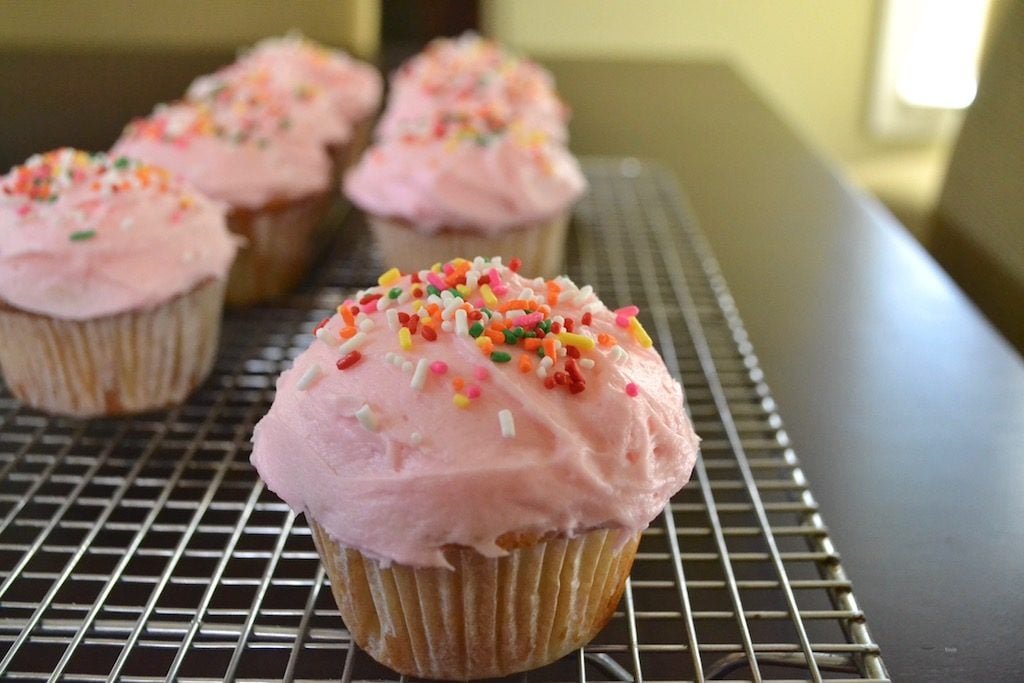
(455, 405)
(471, 168)
(87, 235)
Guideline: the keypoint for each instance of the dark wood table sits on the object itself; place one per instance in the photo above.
(904, 405)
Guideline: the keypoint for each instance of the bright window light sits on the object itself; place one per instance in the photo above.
(940, 63)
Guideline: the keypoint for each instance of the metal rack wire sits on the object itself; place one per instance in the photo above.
(146, 549)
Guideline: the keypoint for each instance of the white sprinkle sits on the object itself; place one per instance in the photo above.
(407, 366)
(447, 326)
(309, 378)
(497, 316)
(527, 293)
(360, 317)
(472, 277)
(586, 363)
(392, 319)
(384, 303)
(357, 340)
(415, 438)
(496, 261)
(366, 325)
(404, 297)
(590, 308)
(560, 319)
(547, 362)
(461, 323)
(419, 376)
(565, 295)
(434, 299)
(479, 262)
(367, 418)
(538, 282)
(583, 294)
(619, 354)
(515, 313)
(542, 371)
(327, 338)
(390, 356)
(360, 294)
(508, 425)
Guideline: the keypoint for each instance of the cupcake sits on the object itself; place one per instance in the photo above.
(469, 181)
(477, 454)
(112, 278)
(351, 89)
(455, 72)
(264, 162)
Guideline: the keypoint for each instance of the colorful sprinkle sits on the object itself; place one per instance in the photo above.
(639, 333)
(419, 375)
(82, 235)
(349, 360)
(389, 277)
(368, 419)
(460, 400)
(439, 367)
(352, 344)
(327, 338)
(500, 357)
(405, 338)
(578, 340)
(507, 423)
(310, 377)
(632, 390)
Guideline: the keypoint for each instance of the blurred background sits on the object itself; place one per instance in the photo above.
(880, 87)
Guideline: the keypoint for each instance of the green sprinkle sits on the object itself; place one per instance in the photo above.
(544, 325)
(510, 337)
(518, 331)
(476, 329)
(455, 292)
(500, 357)
(395, 293)
(486, 311)
(529, 334)
(431, 289)
(540, 351)
(121, 163)
(82, 235)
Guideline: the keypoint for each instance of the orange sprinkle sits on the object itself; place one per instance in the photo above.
(458, 383)
(532, 343)
(495, 336)
(486, 347)
(549, 349)
(525, 364)
(553, 291)
(346, 315)
(347, 332)
(606, 340)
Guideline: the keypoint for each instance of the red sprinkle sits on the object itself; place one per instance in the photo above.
(403, 318)
(369, 297)
(320, 325)
(587, 318)
(349, 360)
(632, 390)
(483, 280)
(428, 333)
(577, 387)
(561, 378)
(414, 321)
(549, 382)
(573, 368)
(415, 279)
(474, 315)
(514, 265)
(556, 328)
(570, 324)
(572, 352)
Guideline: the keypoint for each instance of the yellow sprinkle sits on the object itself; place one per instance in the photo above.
(460, 400)
(462, 289)
(416, 305)
(639, 333)
(483, 340)
(390, 277)
(488, 295)
(578, 340)
(436, 267)
(405, 338)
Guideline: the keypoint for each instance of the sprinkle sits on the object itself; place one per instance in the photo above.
(349, 360)
(367, 418)
(508, 425)
(525, 364)
(606, 340)
(352, 344)
(476, 329)
(461, 323)
(392, 315)
(460, 401)
(439, 367)
(309, 378)
(632, 390)
(488, 294)
(578, 340)
(419, 375)
(473, 391)
(82, 235)
(407, 366)
(622, 321)
(415, 438)
(458, 383)
(640, 334)
(628, 311)
(347, 332)
(395, 293)
(405, 338)
(572, 368)
(327, 338)
(500, 357)
(346, 314)
(366, 325)
(320, 324)
(389, 277)
(542, 371)
(514, 265)
(436, 282)
(586, 363)
(587, 318)
(481, 373)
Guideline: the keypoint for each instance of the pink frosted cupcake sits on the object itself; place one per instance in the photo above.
(468, 182)
(112, 278)
(350, 88)
(469, 70)
(476, 454)
(261, 159)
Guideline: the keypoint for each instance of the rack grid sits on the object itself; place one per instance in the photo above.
(146, 549)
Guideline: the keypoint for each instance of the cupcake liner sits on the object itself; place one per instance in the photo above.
(124, 363)
(488, 617)
(538, 245)
(278, 251)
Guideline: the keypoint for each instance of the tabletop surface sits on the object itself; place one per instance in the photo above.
(905, 405)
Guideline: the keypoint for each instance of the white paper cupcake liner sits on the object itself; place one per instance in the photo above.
(490, 616)
(539, 246)
(124, 363)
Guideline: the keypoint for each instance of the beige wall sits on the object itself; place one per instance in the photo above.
(90, 24)
(811, 60)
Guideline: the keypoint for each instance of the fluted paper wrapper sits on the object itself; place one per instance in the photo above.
(539, 246)
(490, 616)
(279, 247)
(124, 363)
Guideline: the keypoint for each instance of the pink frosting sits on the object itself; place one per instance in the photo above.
(84, 236)
(470, 169)
(469, 69)
(399, 472)
(247, 156)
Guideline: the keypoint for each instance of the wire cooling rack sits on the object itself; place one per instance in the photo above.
(146, 549)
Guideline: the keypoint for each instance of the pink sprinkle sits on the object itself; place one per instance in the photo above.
(478, 303)
(370, 307)
(473, 391)
(530, 320)
(500, 290)
(627, 311)
(439, 367)
(448, 268)
(435, 279)
(622, 321)
(24, 209)
(481, 372)
(632, 390)
(495, 280)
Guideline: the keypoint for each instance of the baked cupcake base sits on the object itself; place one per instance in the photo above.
(539, 246)
(279, 248)
(124, 363)
(488, 617)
